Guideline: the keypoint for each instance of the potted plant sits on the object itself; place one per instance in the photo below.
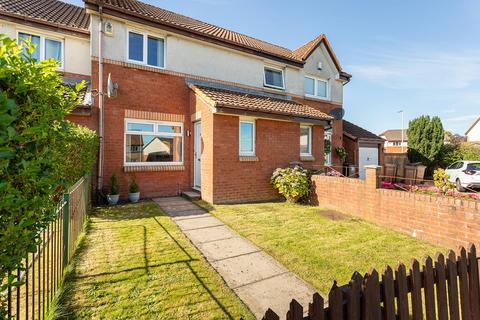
(114, 193)
(133, 193)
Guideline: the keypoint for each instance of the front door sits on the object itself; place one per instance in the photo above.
(197, 155)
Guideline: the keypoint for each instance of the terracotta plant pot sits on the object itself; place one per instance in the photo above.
(113, 199)
(134, 196)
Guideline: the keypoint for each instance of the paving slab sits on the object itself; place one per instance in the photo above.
(257, 278)
(198, 223)
(275, 293)
(226, 248)
(249, 268)
(199, 236)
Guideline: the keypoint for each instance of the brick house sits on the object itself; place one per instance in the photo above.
(194, 105)
(393, 140)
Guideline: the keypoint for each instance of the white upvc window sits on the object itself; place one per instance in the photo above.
(273, 77)
(305, 140)
(317, 88)
(46, 47)
(153, 142)
(145, 49)
(247, 137)
(328, 147)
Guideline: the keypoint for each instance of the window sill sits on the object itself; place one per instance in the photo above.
(248, 158)
(151, 168)
(308, 96)
(307, 158)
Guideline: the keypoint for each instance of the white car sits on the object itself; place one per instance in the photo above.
(465, 174)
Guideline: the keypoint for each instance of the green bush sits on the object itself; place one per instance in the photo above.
(35, 164)
(425, 140)
(113, 187)
(292, 183)
(452, 152)
(133, 188)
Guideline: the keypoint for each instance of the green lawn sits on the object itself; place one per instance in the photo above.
(134, 263)
(317, 248)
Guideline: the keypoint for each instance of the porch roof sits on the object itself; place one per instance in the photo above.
(222, 99)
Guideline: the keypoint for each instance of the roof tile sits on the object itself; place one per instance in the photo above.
(259, 103)
(51, 11)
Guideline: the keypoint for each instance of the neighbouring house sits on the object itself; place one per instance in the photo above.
(473, 133)
(393, 141)
(363, 147)
(185, 104)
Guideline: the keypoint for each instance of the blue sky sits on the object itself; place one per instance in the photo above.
(422, 57)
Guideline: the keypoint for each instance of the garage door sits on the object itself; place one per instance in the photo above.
(367, 156)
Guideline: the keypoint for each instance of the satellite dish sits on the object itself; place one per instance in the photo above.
(337, 113)
(111, 87)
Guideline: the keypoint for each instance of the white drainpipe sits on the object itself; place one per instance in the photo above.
(100, 101)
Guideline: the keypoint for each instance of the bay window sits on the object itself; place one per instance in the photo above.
(305, 140)
(153, 142)
(146, 49)
(247, 138)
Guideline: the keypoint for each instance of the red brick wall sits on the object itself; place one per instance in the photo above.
(277, 144)
(439, 220)
(145, 91)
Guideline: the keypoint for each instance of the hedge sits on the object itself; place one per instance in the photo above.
(40, 152)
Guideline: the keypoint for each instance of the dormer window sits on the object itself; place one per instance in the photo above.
(273, 78)
(146, 49)
(315, 87)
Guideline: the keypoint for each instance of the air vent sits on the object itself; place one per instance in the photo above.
(108, 28)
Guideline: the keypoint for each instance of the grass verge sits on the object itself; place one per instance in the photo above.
(317, 244)
(134, 263)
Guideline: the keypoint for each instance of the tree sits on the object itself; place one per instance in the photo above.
(36, 147)
(425, 139)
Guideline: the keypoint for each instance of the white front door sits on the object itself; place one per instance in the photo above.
(366, 156)
(197, 155)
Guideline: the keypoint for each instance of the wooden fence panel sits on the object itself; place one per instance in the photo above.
(452, 285)
(441, 279)
(402, 292)
(371, 298)
(473, 282)
(429, 289)
(416, 285)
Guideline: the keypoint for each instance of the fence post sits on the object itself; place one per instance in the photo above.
(66, 221)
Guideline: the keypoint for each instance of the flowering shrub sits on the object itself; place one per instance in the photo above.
(442, 180)
(342, 153)
(332, 173)
(292, 183)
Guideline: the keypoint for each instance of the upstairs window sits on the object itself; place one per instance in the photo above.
(273, 77)
(247, 138)
(317, 88)
(305, 140)
(46, 47)
(146, 49)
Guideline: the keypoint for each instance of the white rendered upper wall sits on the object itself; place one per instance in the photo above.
(198, 58)
(76, 50)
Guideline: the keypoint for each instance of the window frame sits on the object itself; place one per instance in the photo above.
(327, 135)
(43, 41)
(310, 132)
(155, 132)
(265, 84)
(315, 88)
(145, 36)
(254, 133)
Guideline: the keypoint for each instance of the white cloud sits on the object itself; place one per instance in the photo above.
(452, 110)
(462, 118)
(418, 68)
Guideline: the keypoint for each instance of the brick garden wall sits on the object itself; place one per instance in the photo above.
(440, 220)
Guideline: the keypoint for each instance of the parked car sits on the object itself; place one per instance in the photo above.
(465, 174)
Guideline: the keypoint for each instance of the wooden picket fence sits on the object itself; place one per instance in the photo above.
(439, 289)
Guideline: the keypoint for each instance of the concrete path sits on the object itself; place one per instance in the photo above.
(258, 279)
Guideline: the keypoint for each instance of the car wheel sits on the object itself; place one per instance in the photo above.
(458, 184)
